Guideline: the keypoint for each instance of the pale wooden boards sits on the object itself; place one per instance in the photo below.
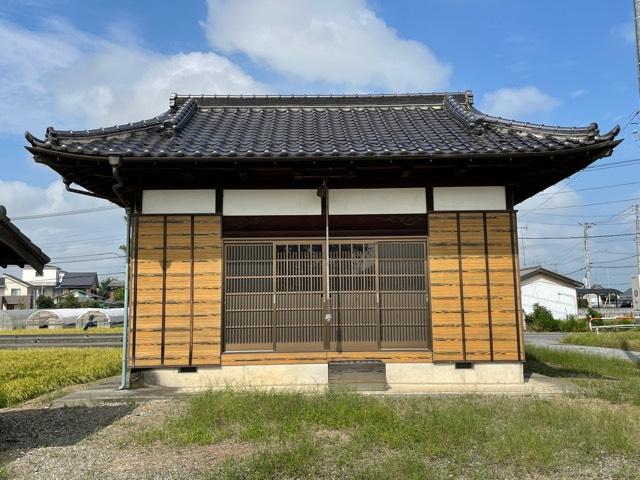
(176, 297)
(475, 310)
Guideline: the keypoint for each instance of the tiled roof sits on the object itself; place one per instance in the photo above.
(79, 279)
(526, 273)
(421, 125)
(16, 248)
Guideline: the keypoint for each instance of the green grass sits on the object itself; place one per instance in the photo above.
(344, 435)
(614, 380)
(626, 340)
(28, 373)
(62, 331)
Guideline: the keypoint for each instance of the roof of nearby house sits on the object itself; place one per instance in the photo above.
(116, 284)
(413, 128)
(79, 279)
(16, 299)
(18, 280)
(598, 290)
(526, 273)
(80, 293)
(16, 248)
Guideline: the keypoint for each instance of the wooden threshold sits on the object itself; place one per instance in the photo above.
(272, 358)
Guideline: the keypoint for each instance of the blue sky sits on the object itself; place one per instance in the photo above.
(80, 64)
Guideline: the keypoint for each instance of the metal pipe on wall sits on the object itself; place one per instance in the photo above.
(125, 327)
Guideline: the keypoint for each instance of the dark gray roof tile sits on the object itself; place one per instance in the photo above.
(333, 125)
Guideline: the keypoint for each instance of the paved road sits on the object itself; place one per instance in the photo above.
(552, 340)
(60, 340)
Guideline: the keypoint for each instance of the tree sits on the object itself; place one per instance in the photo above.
(118, 295)
(103, 289)
(69, 301)
(45, 301)
(541, 319)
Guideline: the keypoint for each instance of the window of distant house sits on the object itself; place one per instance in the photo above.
(15, 291)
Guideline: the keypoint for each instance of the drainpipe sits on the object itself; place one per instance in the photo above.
(125, 326)
(114, 161)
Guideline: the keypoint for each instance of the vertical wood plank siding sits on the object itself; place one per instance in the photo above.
(176, 298)
(476, 314)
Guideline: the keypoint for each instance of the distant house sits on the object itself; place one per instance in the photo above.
(16, 294)
(599, 296)
(114, 285)
(17, 249)
(46, 281)
(82, 281)
(549, 289)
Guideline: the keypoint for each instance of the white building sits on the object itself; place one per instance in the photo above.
(549, 289)
(16, 293)
(47, 282)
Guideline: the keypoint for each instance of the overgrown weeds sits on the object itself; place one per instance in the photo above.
(347, 435)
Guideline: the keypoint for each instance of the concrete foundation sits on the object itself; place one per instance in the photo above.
(296, 377)
(401, 377)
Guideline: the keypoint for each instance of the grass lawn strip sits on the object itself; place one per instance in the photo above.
(28, 373)
(353, 436)
(628, 340)
(63, 331)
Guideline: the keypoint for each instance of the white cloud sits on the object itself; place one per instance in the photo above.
(518, 102)
(339, 42)
(624, 31)
(67, 239)
(72, 79)
(577, 93)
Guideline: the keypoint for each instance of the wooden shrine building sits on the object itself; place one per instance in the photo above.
(274, 236)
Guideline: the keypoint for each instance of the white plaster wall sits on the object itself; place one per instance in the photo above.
(178, 201)
(469, 198)
(363, 201)
(11, 284)
(271, 202)
(49, 276)
(560, 299)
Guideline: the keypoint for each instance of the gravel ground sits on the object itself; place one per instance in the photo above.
(40, 442)
(88, 442)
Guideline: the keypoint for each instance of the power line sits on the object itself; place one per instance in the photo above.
(599, 187)
(61, 214)
(55, 259)
(617, 164)
(579, 237)
(585, 205)
(565, 215)
(92, 259)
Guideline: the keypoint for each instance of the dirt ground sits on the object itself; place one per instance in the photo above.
(38, 442)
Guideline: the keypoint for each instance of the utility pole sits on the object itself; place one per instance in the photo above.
(637, 209)
(522, 229)
(587, 261)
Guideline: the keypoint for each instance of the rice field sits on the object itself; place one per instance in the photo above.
(28, 373)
